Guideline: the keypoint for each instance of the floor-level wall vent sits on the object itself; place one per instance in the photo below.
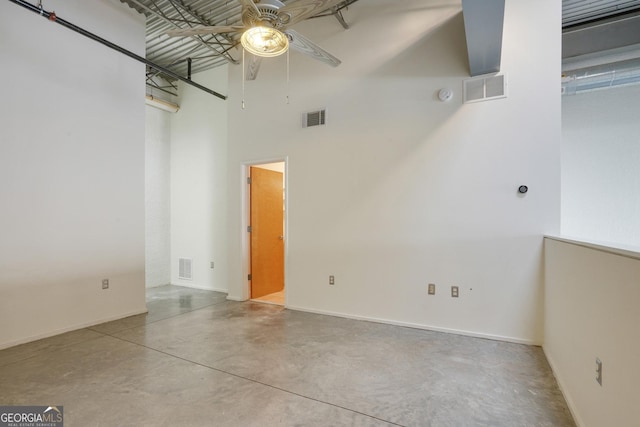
(314, 118)
(485, 88)
(184, 268)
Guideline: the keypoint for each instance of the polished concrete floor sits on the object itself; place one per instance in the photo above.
(199, 360)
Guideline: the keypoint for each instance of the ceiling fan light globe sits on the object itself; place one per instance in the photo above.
(264, 41)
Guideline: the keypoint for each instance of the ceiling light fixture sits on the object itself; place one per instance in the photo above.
(264, 41)
(161, 104)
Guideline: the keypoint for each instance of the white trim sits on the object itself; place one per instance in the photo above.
(70, 329)
(418, 326)
(245, 242)
(236, 298)
(612, 248)
(201, 287)
(563, 389)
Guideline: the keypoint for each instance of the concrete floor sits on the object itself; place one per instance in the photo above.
(199, 360)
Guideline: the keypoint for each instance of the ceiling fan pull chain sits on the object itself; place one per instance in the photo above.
(243, 77)
(287, 76)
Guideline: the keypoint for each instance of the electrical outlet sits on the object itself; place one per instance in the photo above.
(211, 264)
(432, 289)
(599, 371)
(332, 280)
(105, 283)
(454, 292)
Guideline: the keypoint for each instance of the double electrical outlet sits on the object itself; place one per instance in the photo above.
(431, 290)
(455, 290)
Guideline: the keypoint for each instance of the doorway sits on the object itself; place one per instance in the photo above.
(266, 189)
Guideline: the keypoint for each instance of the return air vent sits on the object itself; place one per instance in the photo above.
(314, 118)
(485, 88)
(184, 268)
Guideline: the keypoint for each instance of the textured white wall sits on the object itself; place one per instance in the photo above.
(400, 189)
(157, 197)
(199, 182)
(71, 168)
(600, 159)
(591, 311)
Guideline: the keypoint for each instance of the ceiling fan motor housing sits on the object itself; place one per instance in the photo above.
(269, 15)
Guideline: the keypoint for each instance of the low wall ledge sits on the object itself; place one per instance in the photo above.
(627, 251)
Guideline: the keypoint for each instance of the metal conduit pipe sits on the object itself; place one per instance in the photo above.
(51, 16)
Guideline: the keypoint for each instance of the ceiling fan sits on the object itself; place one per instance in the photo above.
(266, 33)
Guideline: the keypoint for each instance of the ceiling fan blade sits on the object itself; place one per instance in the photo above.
(302, 44)
(252, 66)
(303, 9)
(249, 4)
(187, 32)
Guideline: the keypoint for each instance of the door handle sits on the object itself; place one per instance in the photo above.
(281, 237)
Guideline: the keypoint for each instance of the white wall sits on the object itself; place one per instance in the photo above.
(591, 311)
(71, 168)
(400, 189)
(199, 182)
(157, 197)
(600, 158)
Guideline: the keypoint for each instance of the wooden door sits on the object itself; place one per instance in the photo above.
(267, 232)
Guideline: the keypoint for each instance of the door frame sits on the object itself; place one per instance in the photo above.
(246, 220)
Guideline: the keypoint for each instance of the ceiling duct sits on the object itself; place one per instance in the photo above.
(601, 54)
(483, 22)
(604, 76)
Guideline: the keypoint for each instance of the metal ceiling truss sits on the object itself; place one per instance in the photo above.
(223, 41)
(337, 12)
(162, 15)
(205, 51)
(155, 81)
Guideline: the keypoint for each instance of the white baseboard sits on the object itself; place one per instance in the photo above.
(70, 329)
(203, 288)
(156, 286)
(235, 298)
(417, 326)
(563, 389)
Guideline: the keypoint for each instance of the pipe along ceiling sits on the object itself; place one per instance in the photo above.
(52, 17)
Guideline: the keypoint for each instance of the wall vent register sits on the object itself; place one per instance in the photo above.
(485, 88)
(314, 118)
